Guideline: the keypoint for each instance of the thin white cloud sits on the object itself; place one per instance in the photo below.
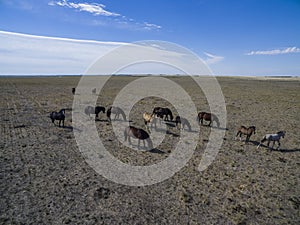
(93, 8)
(151, 26)
(275, 51)
(212, 59)
(113, 19)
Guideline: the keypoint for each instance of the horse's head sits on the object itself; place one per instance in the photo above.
(63, 111)
(253, 129)
(281, 133)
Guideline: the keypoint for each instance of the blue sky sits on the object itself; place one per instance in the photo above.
(250, 37)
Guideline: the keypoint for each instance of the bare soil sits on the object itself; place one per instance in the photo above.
(46, 180)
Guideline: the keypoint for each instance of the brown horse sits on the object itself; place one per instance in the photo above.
(139, 134)
(163, 113)
(208, 117)
(245, 131)
(182, 122)
(73, 91)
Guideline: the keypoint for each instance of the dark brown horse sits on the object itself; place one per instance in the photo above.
(245, 131)
(117, 111)
(94, 110)
(73, 91)
(164, 113)
(139, 134)
(208, 117)
(60, 116)
(182, 122)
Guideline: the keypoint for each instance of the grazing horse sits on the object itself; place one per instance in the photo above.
(73, 91)
(117, 111)
(150, 118)
(272, 137)
(208, 117)
(165, 113)
(182, 122)
(139, 134)
(245, 131)
(91, 110)
(58, 116)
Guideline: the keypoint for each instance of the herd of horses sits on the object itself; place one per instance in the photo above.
(165, 114)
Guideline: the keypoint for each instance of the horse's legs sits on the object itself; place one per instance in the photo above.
(139, 143)
(278, 145)
(63, 122)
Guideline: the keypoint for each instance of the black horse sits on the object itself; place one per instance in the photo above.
(117, 111)
(164, 113)
(94, 110)
(182, 122)
(73, 91)
(60, 116)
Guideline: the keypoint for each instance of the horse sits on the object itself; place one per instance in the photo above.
(117, 111)
(208, 117)
(94, 110)
(245, 131)
(139, 134)
(149, 118)
(164, 113)
(73, 91)
(182, 122)
(274, 138)
(94, 91)
(60, 116)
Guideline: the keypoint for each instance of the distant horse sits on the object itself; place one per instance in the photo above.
(94, 91)
(272, 137)
(117, 111)
(139, 134)
(208, 117)
(164, 113)
(94, 110)
(60, 116)
(149, 118)
(73, 91)
(245, 131)
(182, 122)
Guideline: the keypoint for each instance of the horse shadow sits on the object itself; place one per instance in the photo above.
(288, 150)
(157, 151)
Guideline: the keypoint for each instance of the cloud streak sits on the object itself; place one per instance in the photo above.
(93, 8)
(275, 51)
(212, 59)
(117, 19)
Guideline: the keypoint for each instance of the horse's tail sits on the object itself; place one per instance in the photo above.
(108, 113)
(262, 141)
(217, 120)
(125, 134)
(171, 115)
(188, 125)
(150, 144)
(123, 114)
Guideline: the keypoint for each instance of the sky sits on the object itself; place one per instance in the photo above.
(233, 37)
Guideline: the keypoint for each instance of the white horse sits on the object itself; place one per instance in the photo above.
(272, 137)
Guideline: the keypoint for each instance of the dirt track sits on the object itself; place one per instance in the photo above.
(45, 179)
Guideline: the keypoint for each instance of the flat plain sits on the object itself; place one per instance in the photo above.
(46, 180)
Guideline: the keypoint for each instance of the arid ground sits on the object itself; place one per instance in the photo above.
(46, 180)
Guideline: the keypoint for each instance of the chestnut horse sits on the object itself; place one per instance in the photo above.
(149, 118)
(139, 134)
(208, 117)
(245, 131)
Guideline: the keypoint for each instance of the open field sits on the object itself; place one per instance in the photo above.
(45, 179)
